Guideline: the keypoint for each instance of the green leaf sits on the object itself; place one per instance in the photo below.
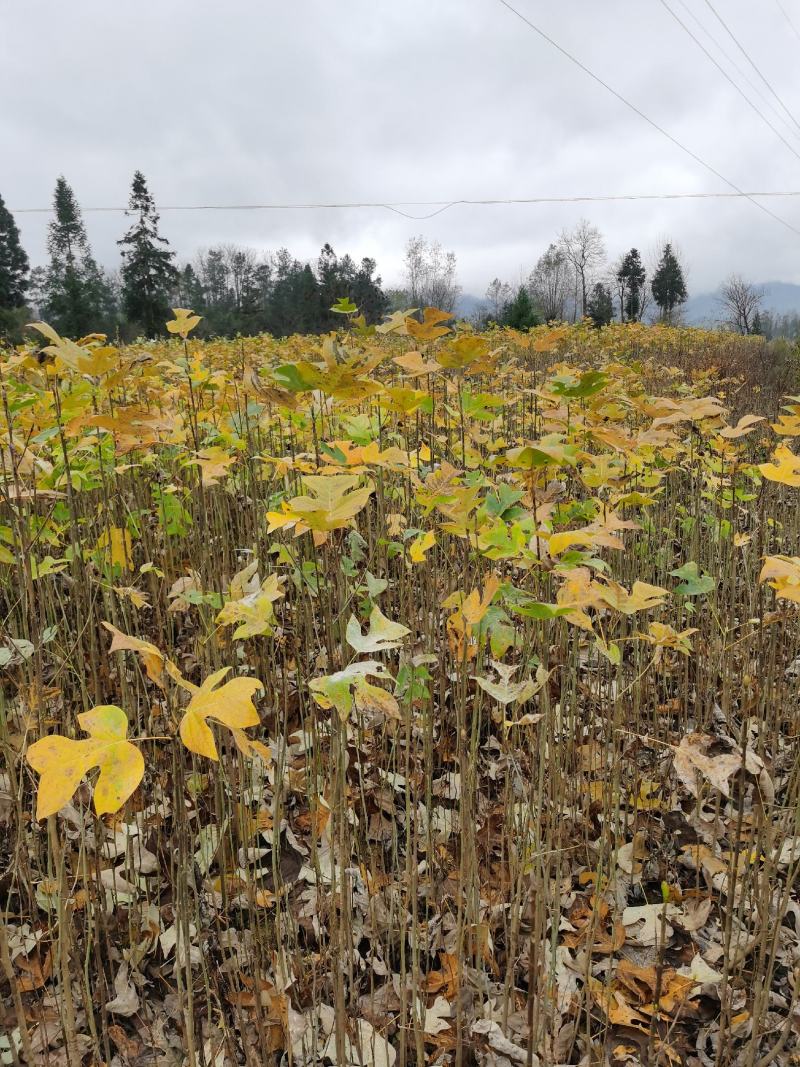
(296, 377)
(694, 583)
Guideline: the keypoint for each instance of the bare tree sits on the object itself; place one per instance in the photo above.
(741, 302)
(431, 275)
(550, 281)
(498, 295)
(585, 250)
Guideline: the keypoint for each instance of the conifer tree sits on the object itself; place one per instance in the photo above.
(14, 277)
(600, 308)
(520, 313)
(78, 299)
(669, 285)
(631, 279)
(14, 264)
(148, 271)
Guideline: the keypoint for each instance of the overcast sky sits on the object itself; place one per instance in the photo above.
(260, 101)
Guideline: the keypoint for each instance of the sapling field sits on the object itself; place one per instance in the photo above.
(405, 695)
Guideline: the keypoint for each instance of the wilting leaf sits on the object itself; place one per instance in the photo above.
(152, 658)
(642, 597)
(344, 689)
(507, 692)
(383, 634)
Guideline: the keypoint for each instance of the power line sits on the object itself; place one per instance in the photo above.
(651, 122)
(439, 205)
(752, 85)
(728, 78)
(785, 14)
(752, 63)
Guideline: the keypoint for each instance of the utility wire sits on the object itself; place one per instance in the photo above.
(785, 14)
(646, 118)
(728, 78)
(753, 86)
(439, 205)
(746, 55)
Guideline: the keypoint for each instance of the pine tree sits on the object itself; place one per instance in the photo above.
(668, 285)
(189, 290)
(14, 264)
(520, 313)
(631, 278)
(78, 298)
(367, 291)
(148, 273)
(600, 308)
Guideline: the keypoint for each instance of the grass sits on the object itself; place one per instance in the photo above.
(585, 855)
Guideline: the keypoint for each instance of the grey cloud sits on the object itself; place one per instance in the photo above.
(429, 99)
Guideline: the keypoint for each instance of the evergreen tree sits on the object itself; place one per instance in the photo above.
(338, 278)
(148, 273)
(520, 313)
(600, 307)
(14, 265)
(367, 291)
(306, 313)
(78, 298)
(188, 291)
(668, 285)
(631, 278)
(294, 300)
(14, 280)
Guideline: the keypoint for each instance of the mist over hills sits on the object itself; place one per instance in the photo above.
(704, 309)
(701, 309)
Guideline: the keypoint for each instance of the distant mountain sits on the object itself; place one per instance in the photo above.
(779, 297)
(703, 309)
(468, 304)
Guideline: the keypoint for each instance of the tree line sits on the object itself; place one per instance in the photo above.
(572, 279)
(236, 290)
(240, 291)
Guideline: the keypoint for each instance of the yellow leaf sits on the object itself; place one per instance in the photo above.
(463, 351)
(253, 612)
(785, 467)
(414, 364)
(431, 326)
(231, 705)
(420, 545)
(183, 323)
(130, 592)
(116, 544)
(745, 424)
(664, 636)
(782, 573)
(214, 463)
(62, 763)
(642, 597)
(77, 357)
(333, 501)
